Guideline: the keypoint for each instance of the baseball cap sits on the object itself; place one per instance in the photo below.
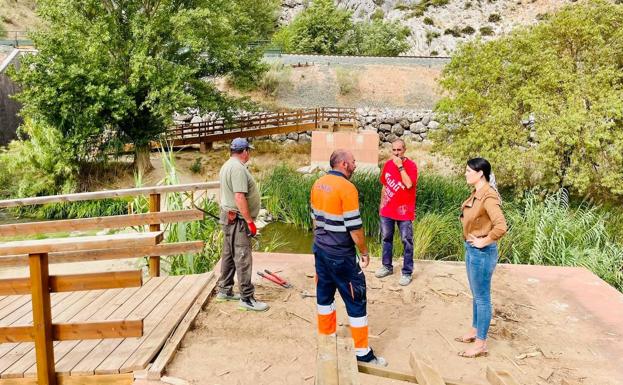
(240, 144)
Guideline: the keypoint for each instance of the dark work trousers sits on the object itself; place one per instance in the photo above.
(236, 257)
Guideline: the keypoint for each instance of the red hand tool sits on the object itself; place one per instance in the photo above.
(281, 280)
(273, 278)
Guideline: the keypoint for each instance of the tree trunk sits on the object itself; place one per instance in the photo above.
(142, 163)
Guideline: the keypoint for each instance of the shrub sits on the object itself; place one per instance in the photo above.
(434, 53)
(428, 21)
(430, 35)
(469, 30)
(486, 31)
(347, 80)
(378, 14)
(196, 167)
(468, 5)
(456, 32)
(276, 79)
(494, 18)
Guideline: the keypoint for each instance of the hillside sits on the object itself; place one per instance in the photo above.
(18, 15)
(438, 26)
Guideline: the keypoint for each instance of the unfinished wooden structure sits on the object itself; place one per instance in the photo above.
(336, 365)
(92, 328)
(204, 133)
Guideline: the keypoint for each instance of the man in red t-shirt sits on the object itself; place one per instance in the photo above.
(399, 180)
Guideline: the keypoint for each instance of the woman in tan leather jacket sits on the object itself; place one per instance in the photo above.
(483, 225)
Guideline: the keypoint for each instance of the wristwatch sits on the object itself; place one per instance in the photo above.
(401, 168)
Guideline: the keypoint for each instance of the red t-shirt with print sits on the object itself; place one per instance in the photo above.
(398, 202)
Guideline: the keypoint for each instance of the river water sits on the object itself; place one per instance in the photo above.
(286, 238)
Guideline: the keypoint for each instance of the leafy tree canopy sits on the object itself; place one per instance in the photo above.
(544, 104)
(114, 71)
(326, 29)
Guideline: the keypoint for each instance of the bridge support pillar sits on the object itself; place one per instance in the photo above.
(205, 146)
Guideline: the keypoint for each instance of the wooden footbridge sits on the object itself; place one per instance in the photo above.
(260, 124)
(95, 328)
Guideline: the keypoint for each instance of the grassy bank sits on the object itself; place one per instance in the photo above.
(547, 231)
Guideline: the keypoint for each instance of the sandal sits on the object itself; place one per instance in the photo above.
(464, 340)
(480, 353)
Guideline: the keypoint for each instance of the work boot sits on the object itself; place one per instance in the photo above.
(383, 271)
(251, 304)
(405, 280)
(222, 297)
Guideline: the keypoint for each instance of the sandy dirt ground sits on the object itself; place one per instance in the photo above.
(549, 324)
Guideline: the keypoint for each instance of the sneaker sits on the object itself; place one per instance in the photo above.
(222, 297)
(379, 361)
(383, 271)
(251, 304)
(405, 279)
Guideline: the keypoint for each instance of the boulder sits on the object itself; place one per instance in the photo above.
(289, 142)
(405, 123)
(433, 125)
(397, 129)
(390, 138)
(293, 136)
(417, 127)
(426, 119)
(196, 119)
(385, 127)
(304, 138)
(278, 137)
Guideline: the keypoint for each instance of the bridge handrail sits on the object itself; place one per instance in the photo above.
(105, 194)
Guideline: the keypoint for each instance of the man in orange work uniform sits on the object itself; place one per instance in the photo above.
(337, 229)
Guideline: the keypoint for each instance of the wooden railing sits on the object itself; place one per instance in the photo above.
(37, 254)
(266, 123)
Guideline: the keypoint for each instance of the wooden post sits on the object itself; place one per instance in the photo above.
(154, 261)
(42, 318)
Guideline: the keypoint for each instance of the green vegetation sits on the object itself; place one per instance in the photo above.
(2, 29)
(418, 9)
(468, 30)
(326, 29)
(434, 53)
(494, 18)
(430, 36)
(429, 21)
(347, 81)
(378, 14)
(277, 78)
(196, 167)
(564, 74)
(455, 31)
(546, 231)
(108, 74)
(486, 31)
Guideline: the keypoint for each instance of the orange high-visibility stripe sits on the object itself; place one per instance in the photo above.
(360, 336)
(327, 323)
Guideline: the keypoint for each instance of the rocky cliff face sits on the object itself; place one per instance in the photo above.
(438, 26)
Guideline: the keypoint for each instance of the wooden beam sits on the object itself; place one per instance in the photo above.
(424, 373)
(107, 194)
(154, 260)
(110, 222)
(76, 282)
(76, 331)
(347, 371)
(243, 134)
(109, 379)
(104, 254)
(42, 319)
(378, 371)
(168, 351)
(500, 377)
(326, 363)
(80, 243)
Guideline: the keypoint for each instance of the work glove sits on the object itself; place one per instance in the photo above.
(252, 229)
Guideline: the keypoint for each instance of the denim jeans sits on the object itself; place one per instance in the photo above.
(480, 264)
(406, 236)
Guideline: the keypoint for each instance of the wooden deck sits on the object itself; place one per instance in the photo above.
(162, 302)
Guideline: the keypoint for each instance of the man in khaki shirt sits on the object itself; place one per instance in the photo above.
(240, 205)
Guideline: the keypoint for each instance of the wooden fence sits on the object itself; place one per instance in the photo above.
(37, 254)
(266, 123)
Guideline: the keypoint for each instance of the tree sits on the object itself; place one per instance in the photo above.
(544, 103)
(112, 72)
(324, 28)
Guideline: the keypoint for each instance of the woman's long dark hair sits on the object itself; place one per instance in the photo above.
(481, 164)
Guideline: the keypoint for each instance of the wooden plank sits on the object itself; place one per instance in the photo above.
(326, 362)
(77, 282)
(102, 350)
(158, 324)
(168, 351)
(76, 331)
(153, 342)
(378, 371)
(109, 222)
(111, 379)
(110, 253)
(424, 373)
(244, 134)
(347, 371)
(27, 359)
(10, 309)
(42, 319)
(80, 243)
(111, 305)
(148, 295)
(106, 194)
(500, 377)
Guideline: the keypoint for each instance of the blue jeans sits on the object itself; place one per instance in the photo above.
(480, 264)
(406, 236)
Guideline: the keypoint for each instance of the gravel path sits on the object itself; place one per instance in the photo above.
(430, 62)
